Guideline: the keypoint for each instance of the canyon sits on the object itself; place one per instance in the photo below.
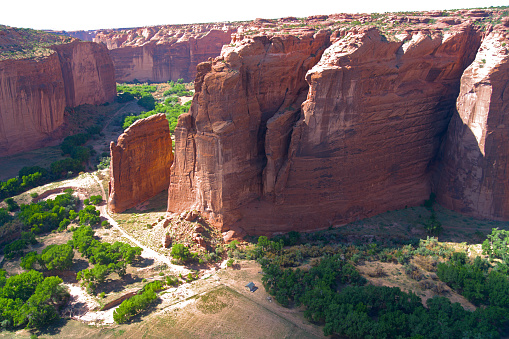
(38, 83)
(296, 123)
(162, 53)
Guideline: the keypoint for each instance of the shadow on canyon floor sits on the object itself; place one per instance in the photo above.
(409, 223)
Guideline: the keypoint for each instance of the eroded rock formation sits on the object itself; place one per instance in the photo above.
(474, 176)
(161, 54)
(296, 128)
(140, 163)
(88, 73)
(251, 157)
(32, 102)
(221, 142)
(34, 90)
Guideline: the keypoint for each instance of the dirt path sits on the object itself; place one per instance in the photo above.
(147, 252)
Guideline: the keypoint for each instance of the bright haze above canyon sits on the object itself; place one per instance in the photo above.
(100, 14)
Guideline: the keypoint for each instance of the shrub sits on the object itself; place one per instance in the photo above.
(89, 216)
(147, 101)
(57, 257)
(96, 199)
(180, 252)
(125, 97)
(104, 163)
(4, 216)
(12, 205)
(130, 307)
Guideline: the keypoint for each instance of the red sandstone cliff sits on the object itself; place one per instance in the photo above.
(32, 102)
(163, 53)
(248, 157)
(473, 177)
(88, 72)
(295, 129)
(220, 143)
(34, 91)
(140, 163)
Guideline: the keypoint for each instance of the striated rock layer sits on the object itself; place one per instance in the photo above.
(32, 102)
(220, 143)
(152, 54)
(474, 163)
(251, 157)
(88, 72)
(35, 91)
(140, 163)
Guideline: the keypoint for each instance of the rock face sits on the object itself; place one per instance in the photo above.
(140, 163)
(88, 72)
(32, 102)
(35, 91)
(221, 142)
(474, 162)
(252, 155)
(158, 54)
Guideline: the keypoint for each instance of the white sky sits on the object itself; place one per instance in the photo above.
(96, 14)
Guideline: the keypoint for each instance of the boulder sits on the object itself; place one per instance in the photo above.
(167, 241)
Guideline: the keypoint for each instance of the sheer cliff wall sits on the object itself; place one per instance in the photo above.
(301, 133)
(157, 54)
(35, 92)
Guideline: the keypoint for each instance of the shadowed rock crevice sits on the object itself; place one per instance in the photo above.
(472, 175)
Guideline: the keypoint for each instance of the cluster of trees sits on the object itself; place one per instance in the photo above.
(384, 312)
(292, 286)
(93, 200)
(171, 109)
(22, 183)
(496, 246)
(333, 293)
(359, 311)
(178, 89)
(73, 145)
(132, 306)
(16, 248)
(43, 216)
(136, 90)
(5, 216)
(141, 92)
(49, 214)
(106, 257)
(28, 299)
(33, 176)
(53, 257)
(475, 281)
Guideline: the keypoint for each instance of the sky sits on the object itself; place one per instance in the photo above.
(99, 14)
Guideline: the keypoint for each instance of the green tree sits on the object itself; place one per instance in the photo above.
(180, 252)
(57, 257)
(21, 286)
